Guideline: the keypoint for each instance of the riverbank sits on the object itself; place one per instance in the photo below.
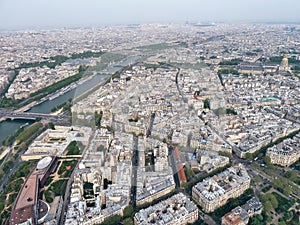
(4, 153)
(8, 128)
(78, 89)
(56, 94)
(41, 94)
(105, 68)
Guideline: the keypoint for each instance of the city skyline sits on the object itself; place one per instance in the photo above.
(200, 121)
(43, 14)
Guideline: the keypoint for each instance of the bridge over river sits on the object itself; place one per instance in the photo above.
(12, 115)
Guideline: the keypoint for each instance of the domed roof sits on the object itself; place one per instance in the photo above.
(44, 162)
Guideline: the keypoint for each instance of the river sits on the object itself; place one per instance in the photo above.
(46, 106)
(9, 127)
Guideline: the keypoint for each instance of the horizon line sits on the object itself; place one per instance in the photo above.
(78, 26)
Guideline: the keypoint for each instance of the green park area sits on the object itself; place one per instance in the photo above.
(66, 168)
(56, 184)
(277, 210)
(13, 171)
(12, 188)
(19, 143)
(74, 148)
(56, 188)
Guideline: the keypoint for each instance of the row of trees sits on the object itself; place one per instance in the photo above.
(232, 62)
(11, 189)
(98, 118)
(23, 138)
(54, 61)
(231, 204)
(35, 96)
(262, 151)
(278, 59)
(27, 133)
(127, 219)
(66, 106)
(50, 63)
(189, 185)
(228, 71)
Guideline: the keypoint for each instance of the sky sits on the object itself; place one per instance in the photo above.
(64, 13)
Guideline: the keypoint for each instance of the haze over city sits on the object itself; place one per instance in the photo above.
(60, 13)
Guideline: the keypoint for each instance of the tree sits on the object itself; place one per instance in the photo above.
(224, 153)
(267, 161)
(8, 141)
(292, 175)
(128, 221)
(257, 220)
(260, 217)
(128, 211)
(287, 190)
(51, 126)
(48, 196)
(206, 104)
(249, 156)
(98, 118)
(280, 183)
(7, 166)
(273, 201)
(73, 149)
(269, 201)
(1, 206)
(112, 220)
(101, 148)
(189, 173)
(282, 223)
(231, 111)
(268, 206)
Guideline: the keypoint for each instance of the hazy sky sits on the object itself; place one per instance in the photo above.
(36, 13)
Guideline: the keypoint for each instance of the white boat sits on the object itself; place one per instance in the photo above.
(54, 96)
(24, 125)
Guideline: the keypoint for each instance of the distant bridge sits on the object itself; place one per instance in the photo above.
(12, 115)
